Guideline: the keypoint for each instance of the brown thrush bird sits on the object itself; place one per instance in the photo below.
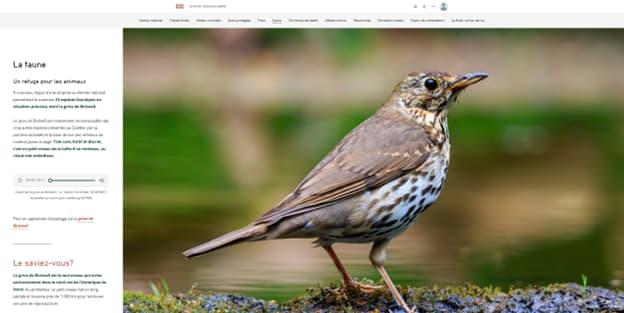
(374, 183)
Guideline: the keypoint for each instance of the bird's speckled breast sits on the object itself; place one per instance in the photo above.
(387, 211)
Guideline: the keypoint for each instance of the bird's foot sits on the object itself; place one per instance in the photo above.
(365, 288)
(351, 289)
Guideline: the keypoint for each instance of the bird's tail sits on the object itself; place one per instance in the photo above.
(246, 233)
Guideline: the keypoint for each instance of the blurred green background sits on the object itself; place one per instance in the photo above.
(219, 125)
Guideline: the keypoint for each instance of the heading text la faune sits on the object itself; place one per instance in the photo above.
(28, 64)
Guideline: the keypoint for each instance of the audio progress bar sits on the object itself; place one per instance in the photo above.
(70, 180)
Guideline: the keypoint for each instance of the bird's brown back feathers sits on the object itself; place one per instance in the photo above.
(361, 161)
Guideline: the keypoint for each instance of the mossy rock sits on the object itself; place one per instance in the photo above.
(464, 298)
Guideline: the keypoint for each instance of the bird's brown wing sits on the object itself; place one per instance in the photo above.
(377, 151)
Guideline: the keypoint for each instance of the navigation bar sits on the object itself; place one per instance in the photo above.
(363, 20)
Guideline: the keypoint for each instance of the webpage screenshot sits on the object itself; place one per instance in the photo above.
(277, 156)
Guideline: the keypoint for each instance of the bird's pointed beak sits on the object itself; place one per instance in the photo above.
(467, 80)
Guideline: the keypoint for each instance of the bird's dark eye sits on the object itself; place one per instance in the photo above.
(431, 84)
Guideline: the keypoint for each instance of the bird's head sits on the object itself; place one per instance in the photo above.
(432, 92)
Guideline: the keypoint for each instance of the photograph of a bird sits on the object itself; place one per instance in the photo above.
(374, 183)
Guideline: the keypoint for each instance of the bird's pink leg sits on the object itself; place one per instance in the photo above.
(395, 293)
(378, 257)
(347, 281)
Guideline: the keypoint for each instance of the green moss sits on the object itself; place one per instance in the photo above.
(465, 298)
